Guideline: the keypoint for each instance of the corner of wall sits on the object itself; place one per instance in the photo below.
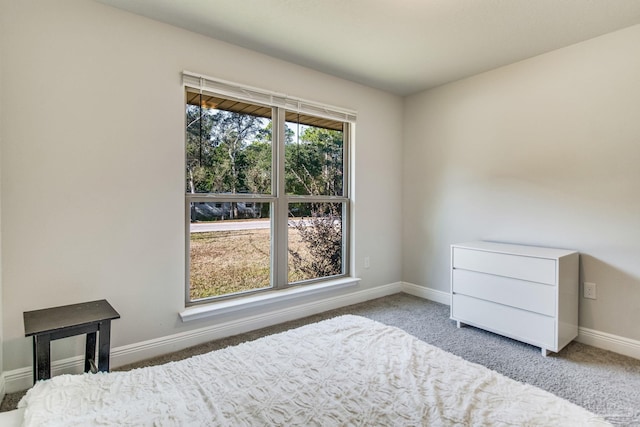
(427, 293)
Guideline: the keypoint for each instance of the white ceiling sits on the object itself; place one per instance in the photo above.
(402, 46)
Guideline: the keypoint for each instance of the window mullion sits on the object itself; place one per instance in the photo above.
(346, 207)
(280, 221)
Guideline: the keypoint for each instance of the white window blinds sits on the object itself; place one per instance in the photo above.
(203, 84)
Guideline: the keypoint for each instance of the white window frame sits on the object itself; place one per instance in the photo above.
(278, 199)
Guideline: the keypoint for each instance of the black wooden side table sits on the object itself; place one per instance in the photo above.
(60, 322)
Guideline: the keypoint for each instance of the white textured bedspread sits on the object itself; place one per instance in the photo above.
(346, 371)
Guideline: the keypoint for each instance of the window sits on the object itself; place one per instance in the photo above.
(267, 196)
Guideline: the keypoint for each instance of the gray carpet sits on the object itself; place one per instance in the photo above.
(601, 381)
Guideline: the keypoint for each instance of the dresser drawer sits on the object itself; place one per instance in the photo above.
(527, 326)
(541, 270)
(517, 293)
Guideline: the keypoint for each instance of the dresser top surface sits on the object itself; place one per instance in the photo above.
(508, 248)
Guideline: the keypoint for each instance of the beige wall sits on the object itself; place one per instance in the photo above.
(543, 152)
(93, 163)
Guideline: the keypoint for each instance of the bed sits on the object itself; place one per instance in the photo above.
(345, 371)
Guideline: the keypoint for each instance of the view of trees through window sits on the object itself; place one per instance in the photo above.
(235, 201)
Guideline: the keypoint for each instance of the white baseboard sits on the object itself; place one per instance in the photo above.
(22, 378)
(427, 293)
(606, 341)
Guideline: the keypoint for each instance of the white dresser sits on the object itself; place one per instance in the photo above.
(527, 293)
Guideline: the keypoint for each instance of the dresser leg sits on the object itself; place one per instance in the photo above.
(544, 352)
(459, 324)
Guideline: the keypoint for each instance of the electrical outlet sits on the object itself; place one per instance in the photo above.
(367, 262)
(589, 290)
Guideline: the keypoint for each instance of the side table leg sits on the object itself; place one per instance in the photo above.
(35, 360)
(104, 346)
(42, 357)
(90, 351)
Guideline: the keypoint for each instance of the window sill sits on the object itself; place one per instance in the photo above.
(264, 299)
